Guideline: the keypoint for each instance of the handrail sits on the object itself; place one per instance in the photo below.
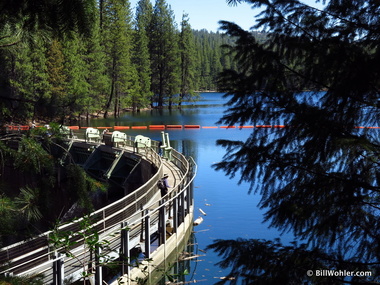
(149, 187)
(63, 226)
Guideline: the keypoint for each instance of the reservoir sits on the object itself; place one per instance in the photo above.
(231, 212)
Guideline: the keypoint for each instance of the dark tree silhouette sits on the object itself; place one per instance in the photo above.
(317, 73)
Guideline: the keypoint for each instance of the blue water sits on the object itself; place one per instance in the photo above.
(231, 211)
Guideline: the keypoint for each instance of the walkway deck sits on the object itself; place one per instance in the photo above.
(142, 212)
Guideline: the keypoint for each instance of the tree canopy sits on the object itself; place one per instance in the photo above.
(318, 74)
(64, 60)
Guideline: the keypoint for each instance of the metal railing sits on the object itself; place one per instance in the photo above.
(37, 255)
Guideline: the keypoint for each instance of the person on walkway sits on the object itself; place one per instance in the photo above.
(163, 184)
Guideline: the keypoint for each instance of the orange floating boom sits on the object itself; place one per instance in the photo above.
(139, 127)
(192, 126)
(157, 127)
(121, 127)
(174, 126)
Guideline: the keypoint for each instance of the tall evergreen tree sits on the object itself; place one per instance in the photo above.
(76, 71)
(28, 78)
(21, 18)
(318, 176)
(164, 54)
(117, 40)
(188, 60)
(141, 57)
(57, 103)
(97, 78)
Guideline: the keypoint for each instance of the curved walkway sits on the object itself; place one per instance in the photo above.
(123, 225)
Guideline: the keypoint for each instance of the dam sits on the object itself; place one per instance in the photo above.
(140, 221)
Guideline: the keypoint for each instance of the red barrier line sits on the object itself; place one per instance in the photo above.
(74, 127)
(279, 126)
(157, 127)
(139, 127)
(121, 127)
(209, 127)
(227, 127)
(192, 126)
(263, 126)
(103, 127)
(246, 127)
(174, 126)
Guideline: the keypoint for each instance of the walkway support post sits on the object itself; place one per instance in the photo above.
(161, 223)
(147, 234)
(58, 270)
(98, 267)
(125, 250)
(175, 214)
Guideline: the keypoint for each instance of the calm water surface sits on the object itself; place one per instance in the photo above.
(231, 211)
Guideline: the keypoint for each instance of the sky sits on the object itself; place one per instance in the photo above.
(205, 14)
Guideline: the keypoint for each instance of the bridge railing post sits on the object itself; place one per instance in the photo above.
(58, 270)
(98, 267)
(125, 250)
(161, 223)
(147, 234)
(175, 214)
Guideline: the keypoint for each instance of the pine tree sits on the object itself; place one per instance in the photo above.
(117, 40)
(164, 54)
(28, 78)
(318, 177)
(188, 60)
(76, 71)
(57, 102)
(141, 57)
(96, 78)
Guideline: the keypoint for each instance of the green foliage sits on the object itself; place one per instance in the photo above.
(117, 40)
(8, 213)
(22, 19)
(318, 176)
(141, 56)
(28, 203)
(188, 61)
(164, 54)
(61, 75)
(22, 280)
(88, 237)
(81, 186)
(32, 157)
(269, 262)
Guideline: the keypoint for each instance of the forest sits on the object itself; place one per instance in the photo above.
(127, 60)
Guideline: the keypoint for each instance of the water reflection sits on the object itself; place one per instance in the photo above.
(231, 212)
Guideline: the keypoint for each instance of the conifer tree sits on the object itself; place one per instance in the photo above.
(141, 57)
(96, 78)
(188, 60)
(28, 79)
(76, 71)
(164, 54)
(318, 176)
(57, 102)
(117, 40)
